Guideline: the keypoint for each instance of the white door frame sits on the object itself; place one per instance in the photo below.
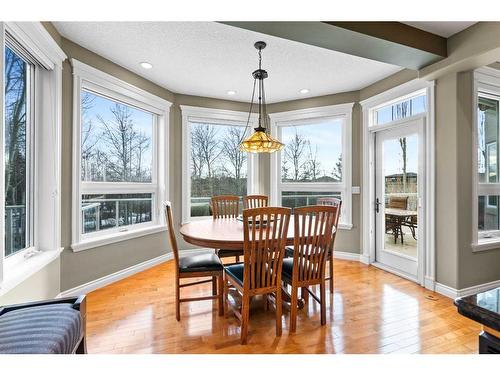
(368, 193)
(402, 128)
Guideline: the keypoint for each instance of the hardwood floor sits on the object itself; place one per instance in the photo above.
(373, 312)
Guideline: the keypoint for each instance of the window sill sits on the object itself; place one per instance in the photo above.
(345, 226)
(486, 245)
(116, 237)
(14, 276)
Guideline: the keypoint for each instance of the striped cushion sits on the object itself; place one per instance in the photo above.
(48, 329)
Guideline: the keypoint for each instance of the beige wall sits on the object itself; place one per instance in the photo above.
(446, 182)
(43, 284)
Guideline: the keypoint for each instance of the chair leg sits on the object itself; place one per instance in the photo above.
(220, 282)
(177, 298)
(304, 294)
(225, 287)
(237, 258)
(293, 309)
(279, 305)
(331, 272)
(245, 314)
(82, 347)
(214, 285)
(323, 302)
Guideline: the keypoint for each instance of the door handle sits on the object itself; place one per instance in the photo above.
(377, 205)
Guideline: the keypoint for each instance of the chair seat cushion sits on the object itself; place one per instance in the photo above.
(222, 253)
(287, 268)
(200, 263)
(236, 272)
(48, 329)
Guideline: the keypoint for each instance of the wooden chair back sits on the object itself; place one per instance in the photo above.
(225, 206)
(171, 234)
(337, 203)
(255, 201)
(398, 202)
(313, 235)
(264, 247)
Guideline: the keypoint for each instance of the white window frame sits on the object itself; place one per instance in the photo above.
(486, 82)
(88, 78)
(342, 112)
(46, 154)
(214, 116)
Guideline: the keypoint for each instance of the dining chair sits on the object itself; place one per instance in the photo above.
(334, 202)
(313, 234)
(264, 233)
(393, 223)
(194, 266)
(226, 207)
(255, 201)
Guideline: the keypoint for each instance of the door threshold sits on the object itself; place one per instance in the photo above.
(395, 271)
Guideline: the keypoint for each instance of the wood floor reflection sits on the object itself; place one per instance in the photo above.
(373, 312)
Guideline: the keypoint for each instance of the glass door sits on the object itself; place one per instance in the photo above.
(399, 202)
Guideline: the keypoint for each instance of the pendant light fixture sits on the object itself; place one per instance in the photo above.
(260, 140)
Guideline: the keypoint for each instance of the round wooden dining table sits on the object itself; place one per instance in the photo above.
(221, 233)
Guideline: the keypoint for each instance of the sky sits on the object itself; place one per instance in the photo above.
(393, 155)
(326, 135)
(143, 121)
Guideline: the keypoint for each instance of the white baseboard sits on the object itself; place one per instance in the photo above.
(346, 256)
(364, 259)
(455, 293)
(119, 275)
(429, 283)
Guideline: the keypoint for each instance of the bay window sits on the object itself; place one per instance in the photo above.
(486, 199)
(120, 165)
(30, 128)
(18, 149)
(212, 161)
(316, 160)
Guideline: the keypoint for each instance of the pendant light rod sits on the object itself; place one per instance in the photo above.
(260, 140)
(260, 74)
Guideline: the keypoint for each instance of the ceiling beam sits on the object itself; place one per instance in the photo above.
(390, 42)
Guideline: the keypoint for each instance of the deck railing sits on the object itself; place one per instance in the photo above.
(15, 228)
(106, 213)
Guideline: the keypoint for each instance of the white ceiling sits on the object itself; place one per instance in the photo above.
(442, 28)
(208, 59)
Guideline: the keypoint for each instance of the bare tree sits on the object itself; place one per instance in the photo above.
(125, 146)
(313, 165)
(337, 170)
(232, 153)
(89, 139)
(205, 136)
(402, 143)
(400, 111)
(294, 152)
(208, 150)
(15, 132)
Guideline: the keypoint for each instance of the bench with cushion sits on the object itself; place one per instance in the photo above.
(46, 327)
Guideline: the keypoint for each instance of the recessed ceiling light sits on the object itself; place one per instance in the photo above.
(146, 65)
(304, 91)
(231, 92)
